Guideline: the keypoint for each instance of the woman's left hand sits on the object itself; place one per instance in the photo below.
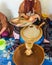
(23, 15)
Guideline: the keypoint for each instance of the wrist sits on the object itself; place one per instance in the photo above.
(0, 33)
(2, 30)
(25, 16)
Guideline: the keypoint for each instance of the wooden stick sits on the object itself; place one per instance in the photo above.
(41, 24)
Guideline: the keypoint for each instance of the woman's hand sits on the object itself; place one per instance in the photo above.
(33, 18)
(37, 17)
(23, 15)
(46, 41)
(2, 30)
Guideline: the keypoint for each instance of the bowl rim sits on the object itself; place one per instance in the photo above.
(35, 39)
(34, 44)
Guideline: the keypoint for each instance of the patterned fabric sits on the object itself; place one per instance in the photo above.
(16, 32)
(6, 55)
(16, 35)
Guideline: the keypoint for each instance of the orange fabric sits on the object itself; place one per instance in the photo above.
(3, 20)
(4, 23)
(37, 7)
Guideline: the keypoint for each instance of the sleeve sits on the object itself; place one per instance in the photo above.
(21, 8)
(37, 8)
(4, 22)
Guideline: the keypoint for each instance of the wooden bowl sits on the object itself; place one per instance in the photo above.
(20, 58)
(31, 33)
(20, 22)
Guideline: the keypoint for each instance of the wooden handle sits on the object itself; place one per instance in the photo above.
(41, 24)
